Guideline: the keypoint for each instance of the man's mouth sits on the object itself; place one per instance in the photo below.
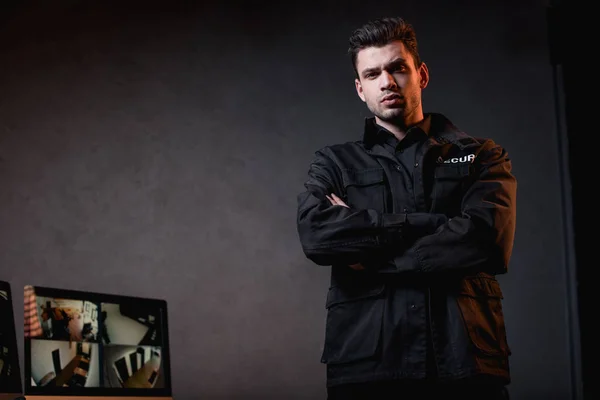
(391, 98)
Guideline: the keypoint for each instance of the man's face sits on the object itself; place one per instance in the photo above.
(390, 83)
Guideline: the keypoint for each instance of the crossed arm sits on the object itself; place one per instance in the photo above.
(480, 237)
(336, 201)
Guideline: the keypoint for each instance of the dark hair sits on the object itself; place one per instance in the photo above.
(380, 32)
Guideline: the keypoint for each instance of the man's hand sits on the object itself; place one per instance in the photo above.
(336, 201)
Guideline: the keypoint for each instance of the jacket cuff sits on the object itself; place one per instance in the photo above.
(408, 262)
(393, 221)
(393, 227)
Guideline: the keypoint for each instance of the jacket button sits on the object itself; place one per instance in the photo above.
(416, 165)
(398, 168)
(413, 306)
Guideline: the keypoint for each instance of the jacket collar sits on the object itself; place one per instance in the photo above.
(439, 129)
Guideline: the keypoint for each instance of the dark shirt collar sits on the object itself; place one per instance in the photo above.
(436, 126)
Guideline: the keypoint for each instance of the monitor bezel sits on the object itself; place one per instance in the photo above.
(99, 297)
(6, 286)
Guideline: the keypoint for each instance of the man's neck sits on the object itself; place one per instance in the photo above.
(399, 128)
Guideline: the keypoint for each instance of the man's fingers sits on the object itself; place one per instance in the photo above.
(335, 200)
(335, 197)
(339, 201)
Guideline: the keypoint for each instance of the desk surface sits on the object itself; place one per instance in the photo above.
(9, 396)
(13, 396)
(35, 397)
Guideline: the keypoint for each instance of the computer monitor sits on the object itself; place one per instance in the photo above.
(81, 344)
(10, 373)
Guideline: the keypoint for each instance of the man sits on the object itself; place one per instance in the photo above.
(415, 220)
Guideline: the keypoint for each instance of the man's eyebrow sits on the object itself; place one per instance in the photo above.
(396, 61)
(369, 70)
(392, 63)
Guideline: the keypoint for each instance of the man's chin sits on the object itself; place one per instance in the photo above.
(391, 114)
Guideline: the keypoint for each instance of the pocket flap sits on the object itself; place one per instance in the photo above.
(481, 287)
(338, 294)
(362, 177)
(449, 171)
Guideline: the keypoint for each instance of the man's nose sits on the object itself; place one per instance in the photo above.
(387, 81)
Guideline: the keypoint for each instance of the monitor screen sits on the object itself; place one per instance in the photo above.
(94, 344)
(10, 374)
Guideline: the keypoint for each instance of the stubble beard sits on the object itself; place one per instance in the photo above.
(392, 115)
(396, 115)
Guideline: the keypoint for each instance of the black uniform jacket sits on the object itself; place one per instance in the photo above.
(431, 256)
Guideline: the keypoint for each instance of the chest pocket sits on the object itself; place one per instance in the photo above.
(365, 188)
(448, 186)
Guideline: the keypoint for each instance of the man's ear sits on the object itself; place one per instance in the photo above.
(423, 75)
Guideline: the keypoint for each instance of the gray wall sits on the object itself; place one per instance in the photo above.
(157, 150)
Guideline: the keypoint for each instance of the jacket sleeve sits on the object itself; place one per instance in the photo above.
(332, 234)
(481, 238)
